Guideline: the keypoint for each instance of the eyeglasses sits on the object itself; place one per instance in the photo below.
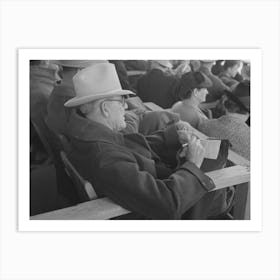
(121, 101)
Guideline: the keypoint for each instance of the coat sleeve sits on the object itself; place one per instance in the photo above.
(163, 140)
(120, 178)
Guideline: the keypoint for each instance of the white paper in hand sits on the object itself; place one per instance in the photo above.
(212, 148)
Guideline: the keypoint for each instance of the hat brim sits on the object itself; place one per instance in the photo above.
(77, 101)
(207, 83)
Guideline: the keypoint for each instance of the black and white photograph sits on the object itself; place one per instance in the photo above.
(140, 139)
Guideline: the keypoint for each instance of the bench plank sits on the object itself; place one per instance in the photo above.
(98, 209)
(230, 176)
(104, 208)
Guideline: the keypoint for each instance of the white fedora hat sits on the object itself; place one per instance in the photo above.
(77, 63)
(96, 82)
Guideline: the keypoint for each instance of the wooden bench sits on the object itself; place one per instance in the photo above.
(104, 208)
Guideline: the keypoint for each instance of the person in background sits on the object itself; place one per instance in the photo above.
(230, 70)
(242, 91)
(192, 91)
(195, 65)
(231, 126)
(136, 65)
(182, 68)
(43, 78)
(218, 87)
(176, 63)
(217, 68)
(131, 169)
(57, 115)
(245, 71)
(157, 85)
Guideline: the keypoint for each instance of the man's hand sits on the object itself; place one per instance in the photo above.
(181, 125)
(194, 151)
(184, 131)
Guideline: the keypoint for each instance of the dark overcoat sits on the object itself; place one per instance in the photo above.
(127, 169)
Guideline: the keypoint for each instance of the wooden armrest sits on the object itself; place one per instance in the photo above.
(237, 159)
(230, 176)
(104, 208)
(98, 209)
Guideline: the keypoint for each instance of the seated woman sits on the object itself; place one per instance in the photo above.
(230, 70)
(231, 125)
(192, 92)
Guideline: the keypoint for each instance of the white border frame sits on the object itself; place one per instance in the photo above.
(25, 224)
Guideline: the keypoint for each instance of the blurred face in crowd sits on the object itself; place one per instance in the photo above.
(201, 94)
(240, 66)
(233, 70)
(114, 111)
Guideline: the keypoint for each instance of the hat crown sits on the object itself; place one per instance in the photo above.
(97, 79)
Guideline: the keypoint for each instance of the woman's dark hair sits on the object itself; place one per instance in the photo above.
(232, 104)
(230, 63)
(189, 81)
(185, 94)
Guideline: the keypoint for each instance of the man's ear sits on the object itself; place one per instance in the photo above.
(195, 91)
(105, 109)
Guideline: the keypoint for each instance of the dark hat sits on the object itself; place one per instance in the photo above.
(236, 100)
(192, 80)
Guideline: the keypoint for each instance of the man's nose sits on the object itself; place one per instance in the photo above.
(125, 106)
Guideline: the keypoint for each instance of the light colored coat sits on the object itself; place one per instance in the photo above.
(230, 128)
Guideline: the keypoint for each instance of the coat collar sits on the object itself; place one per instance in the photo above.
(87, 130)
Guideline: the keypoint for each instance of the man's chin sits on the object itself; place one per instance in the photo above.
(122, 127)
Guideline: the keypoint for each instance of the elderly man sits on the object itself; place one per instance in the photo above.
(138, 172)
(218, 87)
